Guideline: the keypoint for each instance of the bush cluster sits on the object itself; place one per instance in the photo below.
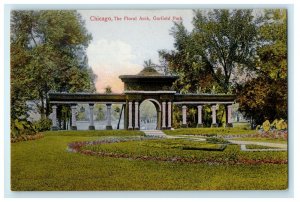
(43, 124)
(23, 130)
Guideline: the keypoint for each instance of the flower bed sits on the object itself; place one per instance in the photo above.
(26, 137)
(138, 148)
(273, 134)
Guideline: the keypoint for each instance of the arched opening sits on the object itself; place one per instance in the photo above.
(150, 115)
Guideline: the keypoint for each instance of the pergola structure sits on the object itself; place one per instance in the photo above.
(147, 85)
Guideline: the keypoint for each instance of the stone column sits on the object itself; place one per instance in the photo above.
(200, 124)
(136, 115)
(163, 115)
(91, 126)
(108, 115)
(169, 115)
(159, 120)
(214, 116)
(73, 109)
(54, 115)
(130, 115)
(229, 118)
(184, 125)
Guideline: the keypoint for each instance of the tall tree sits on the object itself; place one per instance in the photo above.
(221, 41)
(47, 54)
(265, 97)
(240, 50)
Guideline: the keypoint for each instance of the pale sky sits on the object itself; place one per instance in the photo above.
(121, 46)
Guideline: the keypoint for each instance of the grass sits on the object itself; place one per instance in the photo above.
(254, 146)
(174, 148)
(260, 139)
(45, 164)
(209, 131)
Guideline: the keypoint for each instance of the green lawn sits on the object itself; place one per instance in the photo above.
(210, 131)
(176, 148)
(45, 164)
(260, 139)
(254, 146)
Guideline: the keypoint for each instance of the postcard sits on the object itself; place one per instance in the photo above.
(149, 100)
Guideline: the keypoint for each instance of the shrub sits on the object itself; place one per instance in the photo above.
(276, 124)
(21, 127)
(266, 125)
(43, 124)
(281, 125)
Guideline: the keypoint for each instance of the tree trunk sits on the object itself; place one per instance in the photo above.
(42, 110)
(47, 105)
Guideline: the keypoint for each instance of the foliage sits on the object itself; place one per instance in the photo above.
(43, 124)
(221, 41)
(116, 111)
(279, 124)
(47, 54)
(148, 63)
(235, 50)
(266, 125)
(275, 125)
(100, 112)
(63, 116)
(265, 97)
(21, 128)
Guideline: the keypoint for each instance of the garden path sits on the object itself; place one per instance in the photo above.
(267, 144)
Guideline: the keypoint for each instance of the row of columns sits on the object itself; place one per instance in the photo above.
(136, 115)
(166, 108)
(73, 117)
(214, 116)
(169, 117)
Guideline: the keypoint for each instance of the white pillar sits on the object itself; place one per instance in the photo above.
(199, 114)
(136, 115)
(229, 110)
(163, 115)
(108, 115)
(183, 115)
(74, 126)
(169, 114)
(54, 115)
(130, 115)
(91, 127)
(214, 118)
